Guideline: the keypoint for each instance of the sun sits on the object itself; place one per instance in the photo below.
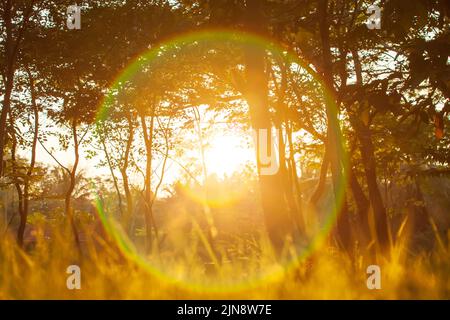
(227, 152)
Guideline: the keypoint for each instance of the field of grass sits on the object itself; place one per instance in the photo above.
(111, 273)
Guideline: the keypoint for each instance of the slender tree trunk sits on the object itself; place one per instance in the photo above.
(68, 210)
(3, 118)
(210, 226)
(126, 221)
(294, 183)
(9, 81)
(379, 211)
(26, 188)
(275, 207)
(17, 184)
(335, 147)
(362, 204)
(149, 219)
(288, 185)
(364, 135)
(11, 50)
(288, 170)
(113, 175)
(320, 188)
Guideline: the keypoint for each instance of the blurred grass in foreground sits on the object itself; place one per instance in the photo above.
(40, 273)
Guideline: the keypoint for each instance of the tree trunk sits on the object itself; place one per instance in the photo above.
(362, 204)
(294, 184)
(9, 81)
(15, 175)
(113, 175)
(148, 214)
(275, 207)
(11, 49)
(364, 135)
(320, 189)
(68, 210)
(26, 196)
(126, 221)
(335, 147)
(211, 231)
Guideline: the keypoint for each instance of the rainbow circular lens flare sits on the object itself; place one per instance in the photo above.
(164, 68)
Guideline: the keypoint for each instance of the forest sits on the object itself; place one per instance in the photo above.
(244, 149)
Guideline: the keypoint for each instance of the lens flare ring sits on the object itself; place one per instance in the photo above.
(208, 37)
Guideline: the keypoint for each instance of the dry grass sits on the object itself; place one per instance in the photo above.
(108, 273)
